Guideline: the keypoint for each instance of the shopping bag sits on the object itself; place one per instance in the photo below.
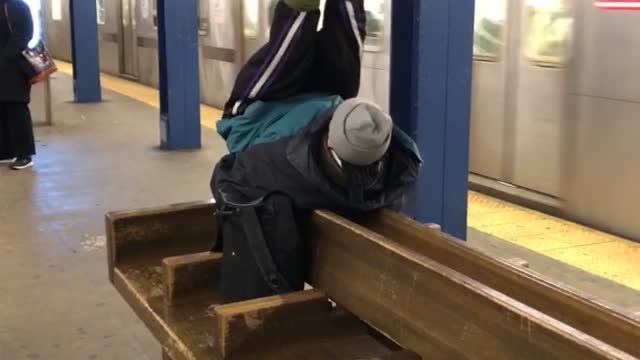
(40, 63)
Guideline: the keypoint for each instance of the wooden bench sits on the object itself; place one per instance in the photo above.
(430, 295)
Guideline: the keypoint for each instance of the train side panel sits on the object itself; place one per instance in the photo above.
(58, 28)
(606, 156)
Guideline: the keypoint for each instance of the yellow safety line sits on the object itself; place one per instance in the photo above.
(145, 94)
(596, 252)
(605, 255)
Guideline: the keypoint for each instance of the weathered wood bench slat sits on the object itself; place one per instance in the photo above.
(605, 322)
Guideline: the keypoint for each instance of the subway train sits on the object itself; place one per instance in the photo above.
(556, 90)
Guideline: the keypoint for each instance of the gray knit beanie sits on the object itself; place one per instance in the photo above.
(360, 132)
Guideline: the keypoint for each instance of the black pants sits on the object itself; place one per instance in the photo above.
(16, 131)
(299, 59)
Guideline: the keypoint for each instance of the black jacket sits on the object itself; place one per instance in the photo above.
(291, 166)
(14, 85)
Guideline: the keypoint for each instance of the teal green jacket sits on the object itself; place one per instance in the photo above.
(268, 121)
(265, 122)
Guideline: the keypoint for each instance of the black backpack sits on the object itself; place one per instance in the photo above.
(264, 254)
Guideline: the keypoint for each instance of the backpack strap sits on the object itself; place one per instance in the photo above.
(261, 253)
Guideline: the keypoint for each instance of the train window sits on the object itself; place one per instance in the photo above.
(126, 12)
(549, 31)
(203, 17)
(375, 25)
(56, 10)
(251, 14)
(145, 11)
(488, 29)
(101, 12)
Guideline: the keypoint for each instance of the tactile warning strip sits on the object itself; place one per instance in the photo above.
(596, 252)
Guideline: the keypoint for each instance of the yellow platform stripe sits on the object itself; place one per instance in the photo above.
(601, 254)
(596, 252)
(142, 93)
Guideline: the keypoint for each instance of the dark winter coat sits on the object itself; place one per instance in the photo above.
(14, 85)
(291, 166)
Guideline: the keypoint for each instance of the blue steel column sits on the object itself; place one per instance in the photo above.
(434, 38)
(402, 65)
(84, 51)
(179, 74)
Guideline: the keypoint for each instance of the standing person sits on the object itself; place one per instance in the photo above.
(16, 131)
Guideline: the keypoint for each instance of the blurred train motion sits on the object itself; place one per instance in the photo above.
(556, 91)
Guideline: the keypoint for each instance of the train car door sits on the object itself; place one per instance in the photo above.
(108, 18)
(489, 95)
(129, 47)
(542, 87)
(520, 92)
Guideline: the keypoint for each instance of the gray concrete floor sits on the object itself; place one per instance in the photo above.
(55, 298)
